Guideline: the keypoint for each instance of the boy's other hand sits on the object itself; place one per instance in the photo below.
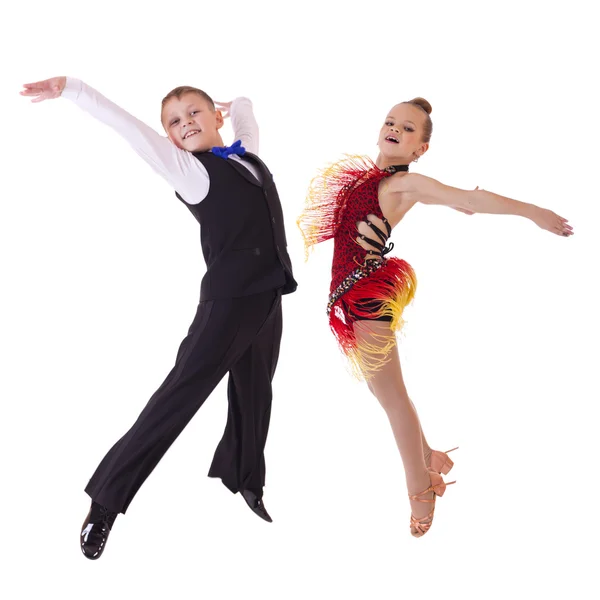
(45, 90)
(224, 107)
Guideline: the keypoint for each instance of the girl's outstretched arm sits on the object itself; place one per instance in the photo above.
(423, 189)
(178, 167)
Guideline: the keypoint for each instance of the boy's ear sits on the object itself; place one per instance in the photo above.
(219, 117)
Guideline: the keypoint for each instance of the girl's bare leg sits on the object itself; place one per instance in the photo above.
(426, 446)
(387, 384)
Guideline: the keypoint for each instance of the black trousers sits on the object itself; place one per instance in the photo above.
(238, 335)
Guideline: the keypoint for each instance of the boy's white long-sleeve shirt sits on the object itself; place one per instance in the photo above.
(180, 168)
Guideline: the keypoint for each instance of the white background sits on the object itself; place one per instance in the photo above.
(100, 276)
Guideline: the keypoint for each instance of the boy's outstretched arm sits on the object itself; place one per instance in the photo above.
(178, 167)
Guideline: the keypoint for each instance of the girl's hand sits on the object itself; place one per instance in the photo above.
(224, 106)
(45, 90)
(551, 222)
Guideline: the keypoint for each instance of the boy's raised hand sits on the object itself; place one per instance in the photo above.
(224, 107)
(45, 90)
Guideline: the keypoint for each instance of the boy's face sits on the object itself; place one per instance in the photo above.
(191, 122)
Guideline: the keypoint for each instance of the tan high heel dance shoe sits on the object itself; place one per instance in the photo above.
(440, 462)
(438, 487)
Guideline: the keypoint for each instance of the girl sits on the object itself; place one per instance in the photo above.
(358, 203)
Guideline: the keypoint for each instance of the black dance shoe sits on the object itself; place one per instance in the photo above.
(256, 504)
(95, 530)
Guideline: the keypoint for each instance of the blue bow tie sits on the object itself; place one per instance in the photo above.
(225, 151)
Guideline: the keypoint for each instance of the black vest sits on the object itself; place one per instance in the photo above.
(241, 231)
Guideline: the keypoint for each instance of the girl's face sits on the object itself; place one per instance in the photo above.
(401, 137)
(191, 123)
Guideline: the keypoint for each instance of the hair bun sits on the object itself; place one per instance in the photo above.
(422, 103)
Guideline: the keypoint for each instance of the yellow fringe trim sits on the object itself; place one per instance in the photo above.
(326, 197)
(367, 358)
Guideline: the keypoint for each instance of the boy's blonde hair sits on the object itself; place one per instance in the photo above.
(187, 89)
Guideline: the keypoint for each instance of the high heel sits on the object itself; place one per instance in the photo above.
(440, 462)
(438, 487)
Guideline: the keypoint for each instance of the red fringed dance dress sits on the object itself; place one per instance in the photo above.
(365, 284)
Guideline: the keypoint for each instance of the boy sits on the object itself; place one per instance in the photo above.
(237, 327)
